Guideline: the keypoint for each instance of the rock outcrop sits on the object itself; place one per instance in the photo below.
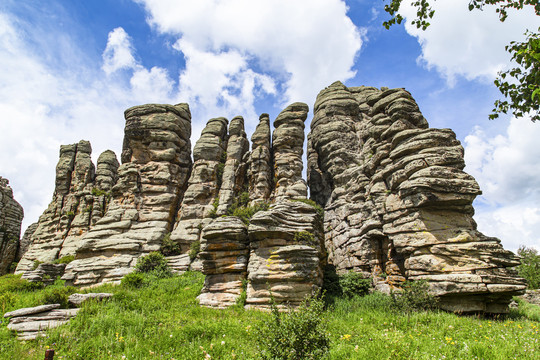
(151, 181)
(287, 146)
(398, 205)
(76, 205)
(260, 168)
(11, 215)
(209, 155)
(26, 241)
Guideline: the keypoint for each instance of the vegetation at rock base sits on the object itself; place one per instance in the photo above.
(414, 296)
(168, 246)
(163, 320)
(523, 88)
(194, 249)
(529, 268)
(64, 260)
(154, 263)
(241, 208)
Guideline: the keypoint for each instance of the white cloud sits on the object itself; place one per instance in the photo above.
(119, 52)
(45, 103)
(468, 43)
(506, 167)
(304, 44)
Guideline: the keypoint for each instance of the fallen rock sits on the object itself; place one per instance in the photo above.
(77, 299)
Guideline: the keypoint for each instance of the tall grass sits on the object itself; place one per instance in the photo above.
(162, 320)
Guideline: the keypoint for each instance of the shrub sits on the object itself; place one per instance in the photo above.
(529, 268)
(57, 295)
(354, 284)
(13, 283)
(304, 237)
(168, 246)
(245, 213)
(194, 249)
(414, 296)
(213, 212)
(65, 259)
(296, 334)
(36, 264)
(317, 207)
(241, 300)
(100, 192)
(133, 280)
(153, 263)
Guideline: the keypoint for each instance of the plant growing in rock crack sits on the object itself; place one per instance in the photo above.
(304, 237)
(245, 213)
(64, 260)
(194, 249)
(168, 246)
(213, 213)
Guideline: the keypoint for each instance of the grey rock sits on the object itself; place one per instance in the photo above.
(11, 215)
(77, 299)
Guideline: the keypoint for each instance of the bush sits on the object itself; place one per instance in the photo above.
(304, 237)
(213, 212)
(245, 213)
(168, 246)
(354, 284)
(36, 264)
(317, 207)
(13, 283)
(133, 280)
(194, 249)
(529, 269)
(348, 285)
(57, 295)
(155, 264)
(294, 335)
(65, 259)
(415, 296)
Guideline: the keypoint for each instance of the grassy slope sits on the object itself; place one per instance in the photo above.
(163, 321)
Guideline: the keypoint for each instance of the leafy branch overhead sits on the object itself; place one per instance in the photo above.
(520, 85)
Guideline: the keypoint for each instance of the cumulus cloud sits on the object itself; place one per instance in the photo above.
(303, 45)
(506, 168)
(45, 104)
(467, 43)
(118, 53)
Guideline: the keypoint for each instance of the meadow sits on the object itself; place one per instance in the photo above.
(161, 319)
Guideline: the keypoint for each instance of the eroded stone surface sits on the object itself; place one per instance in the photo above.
(11, 215)
(260, 175)
(397, 202)
(151, 181)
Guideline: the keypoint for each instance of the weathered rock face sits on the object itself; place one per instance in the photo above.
(260, 176)
(77, 204)
(234, 171)
(151, 181)
(204, 183)
(287, 145)
(286, 255)
(11, 215)
(397, 202)
(224, 255)
(26, 241)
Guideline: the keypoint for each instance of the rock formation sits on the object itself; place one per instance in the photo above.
(26, 241)
(151, 182)
(11, 215)
(398, 205)
(77, 204)
(260, 176)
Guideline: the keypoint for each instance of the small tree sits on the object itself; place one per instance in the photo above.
(529, 268)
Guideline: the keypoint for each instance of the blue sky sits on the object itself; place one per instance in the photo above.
(70, 68)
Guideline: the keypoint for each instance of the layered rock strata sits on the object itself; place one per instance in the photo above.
(151, 182)
(260, 169)
(209, 155)
(287, 146)
(234, 170)
(286, 255)
(26, 241)
(398, 205)
(69, 215)
(224, 255)
(11, 215)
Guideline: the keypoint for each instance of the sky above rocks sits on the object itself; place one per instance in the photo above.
(70, 68)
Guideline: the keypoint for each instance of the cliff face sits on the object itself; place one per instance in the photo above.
(11, 215)
(397, 203)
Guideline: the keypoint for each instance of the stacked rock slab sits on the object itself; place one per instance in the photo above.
(287, 146)
(260, 174)
(11, 215)
(400, 205)
(286, 255)
(151, 180)
(234, 170)
(203, 187)
(72, 211)
(224, 255)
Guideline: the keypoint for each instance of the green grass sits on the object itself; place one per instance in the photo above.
(162, 320)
